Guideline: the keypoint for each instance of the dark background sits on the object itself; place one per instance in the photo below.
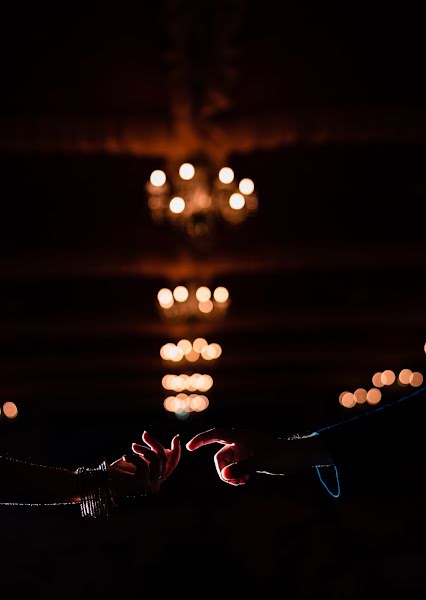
(323, 106)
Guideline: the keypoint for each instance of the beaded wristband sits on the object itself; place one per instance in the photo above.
(95, 491)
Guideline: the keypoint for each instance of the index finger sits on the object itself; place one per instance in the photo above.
(211, 436)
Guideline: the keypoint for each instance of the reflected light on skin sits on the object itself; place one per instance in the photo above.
(376, 380)
(360, 395)
(186, 171)
(246, 186)
(203, 294)
(10, 410)
(374, 396)
(177, 205)
(221, 294)
(180, 293)
(416, 379)
(404, 376)
(348, 400)
(158, 178)
(226, 175)
(388, 377)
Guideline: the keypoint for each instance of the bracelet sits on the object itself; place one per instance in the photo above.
(95, 491)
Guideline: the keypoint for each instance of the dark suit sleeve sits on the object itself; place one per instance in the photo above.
(380, 440)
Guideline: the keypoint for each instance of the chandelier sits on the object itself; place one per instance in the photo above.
(195, 197)
(193, 302)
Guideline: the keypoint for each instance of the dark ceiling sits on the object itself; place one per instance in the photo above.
(323, 107)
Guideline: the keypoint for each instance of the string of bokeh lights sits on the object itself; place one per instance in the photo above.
(193, 300)
(382, 379)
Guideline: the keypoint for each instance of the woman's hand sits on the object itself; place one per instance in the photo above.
(146, 469)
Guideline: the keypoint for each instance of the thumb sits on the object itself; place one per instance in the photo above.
(238, 469)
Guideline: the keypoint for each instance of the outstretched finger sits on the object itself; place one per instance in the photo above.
(173, 457)
(211, 436)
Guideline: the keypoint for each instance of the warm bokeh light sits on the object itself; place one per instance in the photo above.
(246, 186)
(171, 352)
(216, 348)
(252, 203)
(203, 294)
(10, 410)
(237, 201)
(182, 404)
(360, 395)
(165, 298)
(388, 377)
(221, 294)
(158, 178)
(165, 351)
(170, 403)
(374, 396)
(347, 400)
(206, 307)
(416, 379)
(404, 376)
(177, 205)
(154, 202)
(198, 403)
(185, 346)
(199, 344)
(186, 171)
(192, 356)
(193, 197)
(180, 293)
(226, 175)
(376, 380)
(176, 354)
(211, 351)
